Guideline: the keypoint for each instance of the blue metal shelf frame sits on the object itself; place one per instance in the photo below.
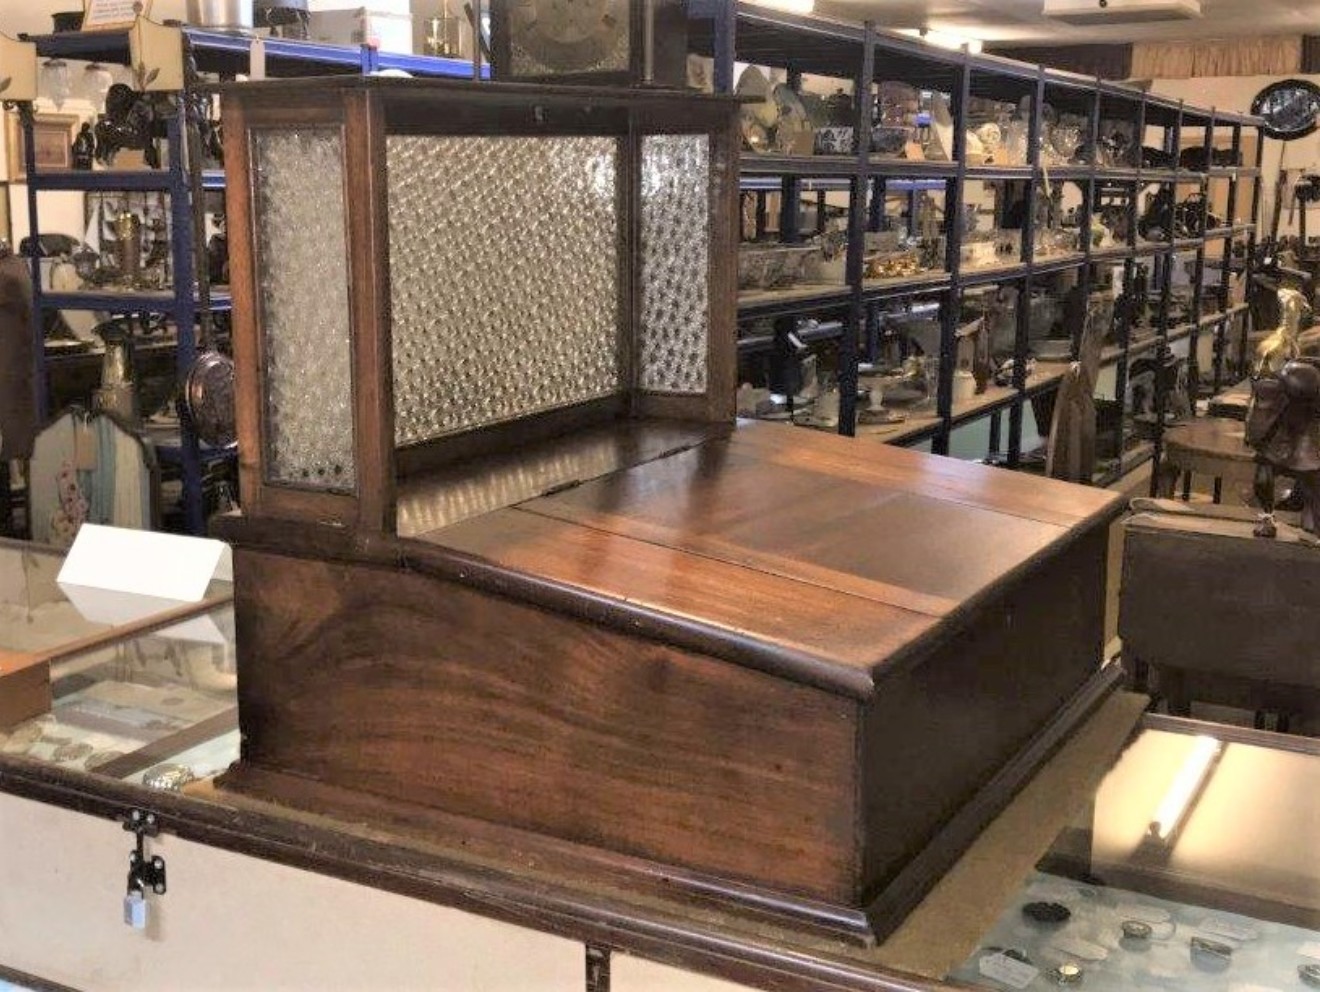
(214, 52)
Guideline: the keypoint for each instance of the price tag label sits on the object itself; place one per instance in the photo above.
(1221, 927)
(1013, 973)
(1079, 948)
(1147, 914)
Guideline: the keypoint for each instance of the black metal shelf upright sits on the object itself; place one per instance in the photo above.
(218, 54)
(730, 31)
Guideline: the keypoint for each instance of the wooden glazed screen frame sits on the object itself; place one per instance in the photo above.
(371, 505)
(366, 112)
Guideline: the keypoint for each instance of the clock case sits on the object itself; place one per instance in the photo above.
(657, 47)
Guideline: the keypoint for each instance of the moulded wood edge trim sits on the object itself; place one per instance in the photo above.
(446, 564)
(659, 933)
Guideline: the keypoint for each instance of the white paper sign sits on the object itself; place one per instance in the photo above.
(114, 575)
(1012, 972)
(1079, 948)
(101, 14)
(1147, 914)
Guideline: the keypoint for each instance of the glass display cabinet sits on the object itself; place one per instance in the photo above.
(141, 689)
(41, 627)
(1195, 866)
(156, 708)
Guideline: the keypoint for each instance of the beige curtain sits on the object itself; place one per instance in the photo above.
(1266, 56)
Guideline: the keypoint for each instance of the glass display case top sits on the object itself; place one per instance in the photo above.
(158, 708)
(1195, 867)
(36, 615)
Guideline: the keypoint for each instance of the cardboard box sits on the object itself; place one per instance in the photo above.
(361, 26)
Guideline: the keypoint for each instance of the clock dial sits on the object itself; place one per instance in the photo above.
(564, 36)
(1289, 107)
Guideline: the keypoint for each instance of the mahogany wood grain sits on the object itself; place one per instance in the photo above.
(895, 545)
(1012, 493)
(447, 495)
(725, 218)
(242, 288)
(438, 694)
(983, 694)
(368, 272)
(842, 629)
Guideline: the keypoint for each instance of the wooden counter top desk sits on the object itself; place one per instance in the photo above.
(507, 562)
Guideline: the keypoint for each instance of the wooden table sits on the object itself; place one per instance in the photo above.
(1213, 446)
(1221, 615)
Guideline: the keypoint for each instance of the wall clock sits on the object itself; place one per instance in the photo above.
(570, 36)
(606, 41)
(1289, 108)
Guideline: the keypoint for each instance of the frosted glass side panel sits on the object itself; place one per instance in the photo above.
(303, 289)
(675, 304)
(503, 278)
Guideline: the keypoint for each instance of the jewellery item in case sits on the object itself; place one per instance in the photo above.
(1067, 974)
(1211, 948)
(168, 777)
(1309, 974)
(1047, 912)
(1137, 930)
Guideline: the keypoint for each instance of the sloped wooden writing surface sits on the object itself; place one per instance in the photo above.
(764, 661)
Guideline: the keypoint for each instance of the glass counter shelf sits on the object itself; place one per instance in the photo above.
(131, 708)
(1195, 867)
(38, 618)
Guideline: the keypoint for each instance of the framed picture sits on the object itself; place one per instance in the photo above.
(113, 15)
(52, 142)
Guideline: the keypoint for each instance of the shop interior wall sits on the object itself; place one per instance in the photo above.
(1236, 93)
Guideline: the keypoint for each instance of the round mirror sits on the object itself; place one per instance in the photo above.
(1289, 108)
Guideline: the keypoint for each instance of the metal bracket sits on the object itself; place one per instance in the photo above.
(598, 968)
(143, 872)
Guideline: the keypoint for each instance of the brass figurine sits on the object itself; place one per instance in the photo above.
(1283, 426)
(1284, 345)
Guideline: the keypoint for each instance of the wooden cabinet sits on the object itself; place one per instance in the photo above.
(564, 607)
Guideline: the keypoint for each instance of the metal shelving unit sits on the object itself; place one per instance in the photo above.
(727, 30)
(218, 54)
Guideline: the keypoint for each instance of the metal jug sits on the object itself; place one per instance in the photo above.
(117, 393)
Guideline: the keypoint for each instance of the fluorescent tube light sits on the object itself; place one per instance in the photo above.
(1186, 785)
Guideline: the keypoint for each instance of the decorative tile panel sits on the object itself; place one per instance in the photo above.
(303, 290)
(675, 286)
(504, 281)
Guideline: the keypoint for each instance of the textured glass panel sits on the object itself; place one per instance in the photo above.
(303, 286)
(675, 262)
(503, 278)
